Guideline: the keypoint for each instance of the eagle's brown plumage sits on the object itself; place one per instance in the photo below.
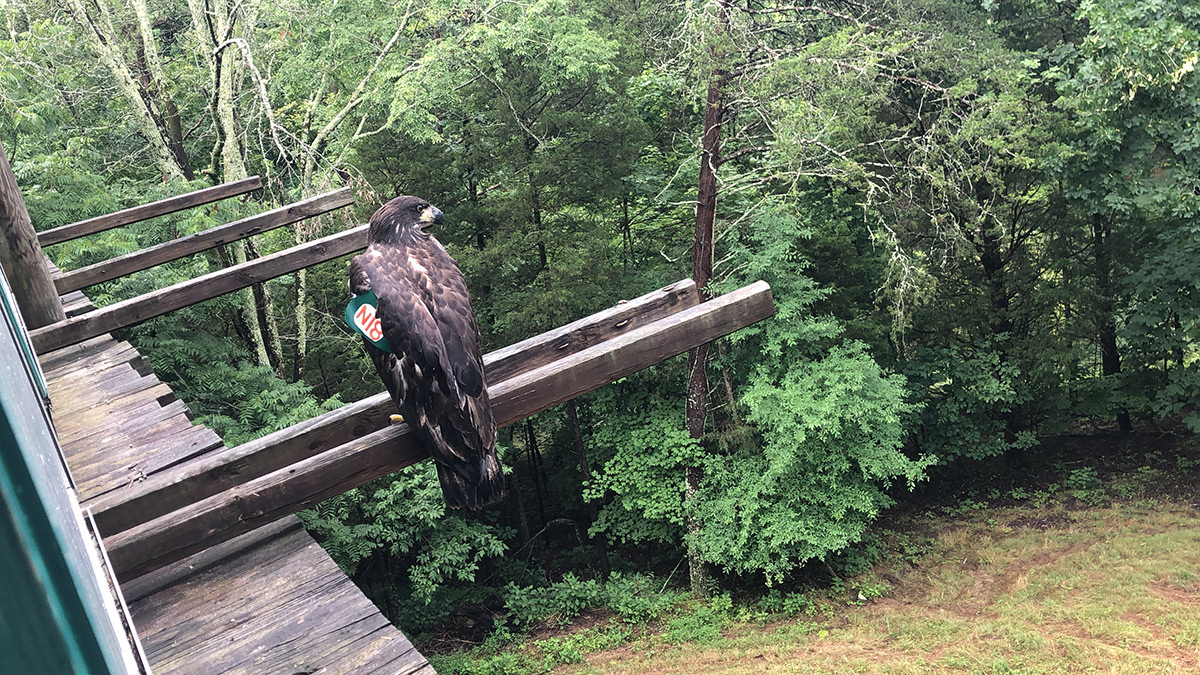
(435, 370)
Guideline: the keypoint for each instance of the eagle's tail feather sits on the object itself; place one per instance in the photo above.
(472, 487)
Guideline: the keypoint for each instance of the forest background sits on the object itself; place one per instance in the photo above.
(979, 219)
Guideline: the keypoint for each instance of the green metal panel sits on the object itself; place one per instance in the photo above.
(54, 615)
(13, 316)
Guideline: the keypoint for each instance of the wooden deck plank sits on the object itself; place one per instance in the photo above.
(128, 461)
(139, 412)
(83, 355)
(149, 584)
(162, 443)
(297, 587)
(117, 424)
(76, 306)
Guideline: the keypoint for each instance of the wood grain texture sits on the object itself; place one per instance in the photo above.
(144, 307)
(147, 211)
(201, 241)
(262, 500)
(209, 475)
(21, 256)
(118, 424)
(277, 605)
(574, 337)
(270, 601)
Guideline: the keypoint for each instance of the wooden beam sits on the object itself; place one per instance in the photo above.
(21, 258)
(201, 241)
(147, 211)
(215, 472)
(265, 499)
(144, 307)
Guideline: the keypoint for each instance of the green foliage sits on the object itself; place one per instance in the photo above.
(405, 516)
(648, 450)
(789, 604)
(951, 200)
(639, 598)
(967, 401)
(563, 600)
(541, 656)
(827, 422)
(831, 431)
(703, 625)
(633, 598)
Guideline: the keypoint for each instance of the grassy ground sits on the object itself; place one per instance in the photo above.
(1108, 590)
(1093, 569)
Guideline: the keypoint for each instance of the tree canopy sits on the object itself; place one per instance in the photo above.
(979, 220)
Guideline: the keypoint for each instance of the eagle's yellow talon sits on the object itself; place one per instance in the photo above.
(396, 419)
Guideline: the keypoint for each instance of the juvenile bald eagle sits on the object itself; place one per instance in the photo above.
(434, 372)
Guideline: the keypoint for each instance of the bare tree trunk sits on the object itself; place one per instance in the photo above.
(21, 256)
(154, 85)
(102, 35)
(249, 311)
(585, 470)
(301, 352)
(702, 264)
(1110, 358)
(215, 25)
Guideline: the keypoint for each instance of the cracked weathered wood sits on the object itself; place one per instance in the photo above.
(147, 211)
(263, 500)
(201, 241)
(208, 475)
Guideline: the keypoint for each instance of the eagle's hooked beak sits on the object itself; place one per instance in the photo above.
(431, 215)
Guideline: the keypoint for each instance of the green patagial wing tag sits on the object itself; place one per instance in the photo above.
(360, 314)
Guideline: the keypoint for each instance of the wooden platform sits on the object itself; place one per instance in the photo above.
(270, 601)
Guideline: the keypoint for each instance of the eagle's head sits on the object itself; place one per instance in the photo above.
(402, 219)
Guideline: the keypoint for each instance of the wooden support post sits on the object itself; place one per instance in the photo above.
(147, 211)
(201, 241)
(144, 307)
(265, 499)
(21, 257)
(209, 475)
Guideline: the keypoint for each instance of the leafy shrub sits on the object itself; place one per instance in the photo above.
(634, 599)
(703, 625)
(964, 397)
(470, 663)
(1085, 485)
(790, 604)
(830, 433)
(563, 600)
(558, 651)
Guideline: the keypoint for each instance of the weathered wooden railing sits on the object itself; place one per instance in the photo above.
(185, 293)
(136, 310)
(253, 499)
(211, 474)
(147, 211)
(201, 241)
(209, 500)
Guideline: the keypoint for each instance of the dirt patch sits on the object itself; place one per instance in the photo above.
(1176, 593)
(1053, 521)
(589, 619)
(987, 588)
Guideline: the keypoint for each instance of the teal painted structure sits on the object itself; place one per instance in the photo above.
(55, 615)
